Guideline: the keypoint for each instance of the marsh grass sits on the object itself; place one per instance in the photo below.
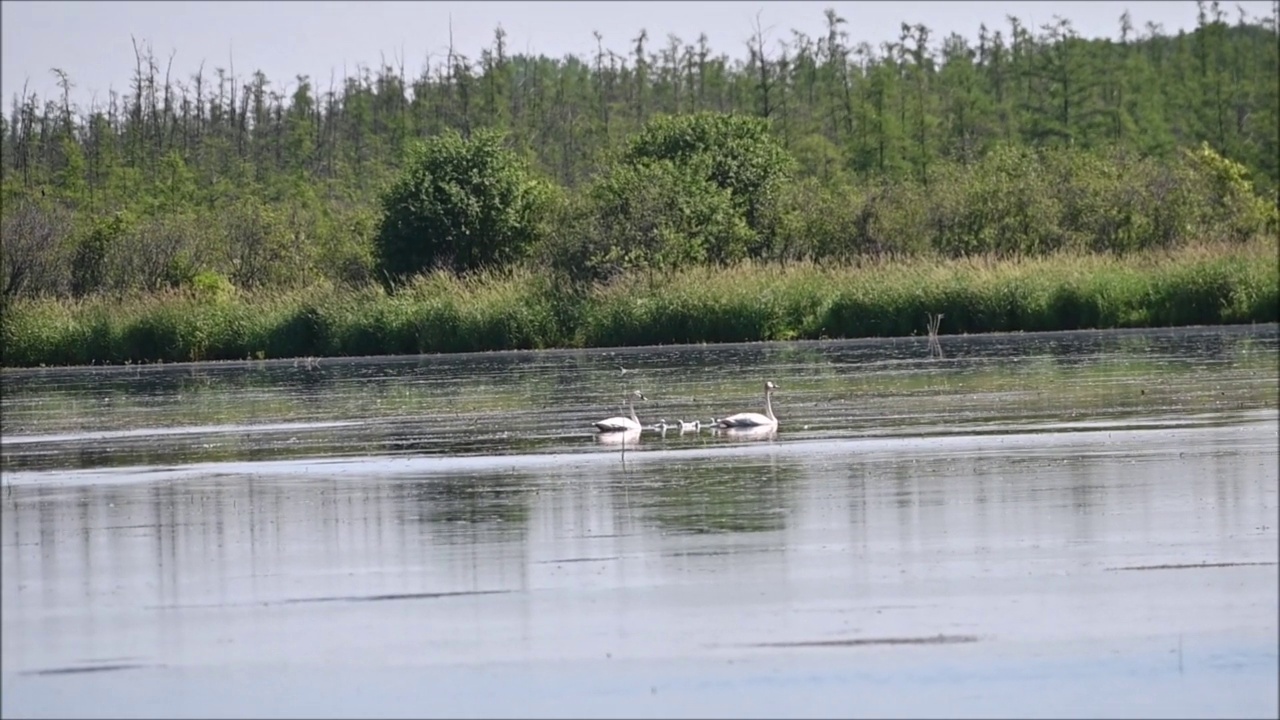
(528, 309)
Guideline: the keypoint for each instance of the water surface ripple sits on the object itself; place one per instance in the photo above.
(1078, 524)
(532, 403)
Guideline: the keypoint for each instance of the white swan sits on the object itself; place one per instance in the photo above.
(750, 419)
(685, 427)
(619, 423)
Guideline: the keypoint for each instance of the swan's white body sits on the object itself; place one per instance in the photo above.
(752, 432)
(694, 426)
(620, 423)
(751, 419)
(625, 438)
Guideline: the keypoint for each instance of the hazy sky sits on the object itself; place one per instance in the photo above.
(91, 40)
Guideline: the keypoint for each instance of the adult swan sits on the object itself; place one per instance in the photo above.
(619, 423)
(751, 419)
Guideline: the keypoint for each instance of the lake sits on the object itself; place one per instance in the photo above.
(1045, 524)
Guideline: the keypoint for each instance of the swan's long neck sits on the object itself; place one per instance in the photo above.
(768, 405)
(632, 407)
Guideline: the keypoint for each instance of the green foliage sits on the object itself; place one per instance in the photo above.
(71, 178)
(462, 204)
(737, 153)
(440, 312)
(33, 256)
(346, 247)
(89, 264)
(212, 287)
(175, 184)
(1021, 201)
(818, 158)
(1024, 143)
(660, 215)
(822, 221)
(263, 248)
(1006, 204)
(1234, 206)
(165, 251)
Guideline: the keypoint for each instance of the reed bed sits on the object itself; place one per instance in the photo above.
(528, 309)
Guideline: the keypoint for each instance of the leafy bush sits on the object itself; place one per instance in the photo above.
(89, 269)
(32, 257)
(659, 215)
(345, 244)
(165, 251)
(212, 287)
(264, 250)
(735, 152)
(461, 204)
(1005, 204)
(819, 158)
(819, 221)
(1233, 205)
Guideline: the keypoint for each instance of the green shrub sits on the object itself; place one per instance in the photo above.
(89, 269)
(461, 204)
(661, 216)
(33, 253)
(737, 153)
(264, 250)
(819, 221)
(1233, 207)
(212, 287)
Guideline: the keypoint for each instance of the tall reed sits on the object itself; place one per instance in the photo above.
(529, 309)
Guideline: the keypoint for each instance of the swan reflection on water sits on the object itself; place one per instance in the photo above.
(742, 434)
(631, 438)
(623, 438)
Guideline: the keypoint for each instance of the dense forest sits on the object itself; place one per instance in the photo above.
(279, 181)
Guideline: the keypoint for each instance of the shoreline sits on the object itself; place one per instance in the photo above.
(1243, 327)
(525, 309)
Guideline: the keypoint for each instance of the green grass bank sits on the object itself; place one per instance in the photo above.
(525, 309)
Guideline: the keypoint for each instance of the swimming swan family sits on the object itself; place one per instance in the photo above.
(741, 421)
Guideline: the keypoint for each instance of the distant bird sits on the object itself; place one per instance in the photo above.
(750, 419)
(685, 427)
(619, 423)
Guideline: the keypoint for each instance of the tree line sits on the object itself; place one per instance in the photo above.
(272, 182)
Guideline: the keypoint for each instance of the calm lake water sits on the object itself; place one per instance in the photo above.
(1078, 524)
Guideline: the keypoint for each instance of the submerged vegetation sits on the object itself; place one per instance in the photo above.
(1030, 180)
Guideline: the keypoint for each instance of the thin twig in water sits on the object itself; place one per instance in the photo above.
(935, 347)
